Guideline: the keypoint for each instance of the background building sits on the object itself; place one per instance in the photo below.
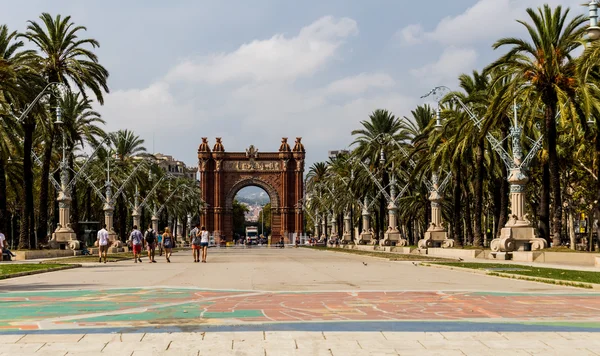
(177, 168)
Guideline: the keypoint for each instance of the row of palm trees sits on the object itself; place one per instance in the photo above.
(549, 81)
(31, 149)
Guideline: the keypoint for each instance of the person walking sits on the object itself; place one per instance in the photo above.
(195, 236)
(102, 239)
(168, 243)
(150, 237)
(159, 243)
(137, 242)
(204, 243)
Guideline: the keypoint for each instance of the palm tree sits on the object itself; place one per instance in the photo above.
(477, 89)
(373, 139)
(18, 83)
(543, 71)
(64, 59)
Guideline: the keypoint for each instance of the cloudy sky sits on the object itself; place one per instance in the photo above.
(255, 71)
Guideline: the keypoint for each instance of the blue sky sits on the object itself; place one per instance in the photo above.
(255, 71)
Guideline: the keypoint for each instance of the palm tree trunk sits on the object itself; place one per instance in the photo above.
(544, 208)
(456, 206)
(502, 217)
(122, 218)
(554, 173)
(597, 205)
(42, 230)
(25, 235)
(74, 201)
(55, 210)
(478, 233)
(468, 222)
(3, 211)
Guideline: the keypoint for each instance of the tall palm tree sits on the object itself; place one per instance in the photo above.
(476, 87)
(543, 70)
(373, 139)
(65, 58)
(18, 82)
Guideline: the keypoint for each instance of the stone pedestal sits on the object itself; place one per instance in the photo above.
(108, 220)
(323, 228)
(518, 234)
(64, 234)
(436, 235)
(154, 220)
(135, 215)
(347, 234)
(334, 232)
(392, 236)
(366, 235)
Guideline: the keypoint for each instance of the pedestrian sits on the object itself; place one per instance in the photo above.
(168, 243)
(150, 237)
(297, 241)
(196, 237)
(159, 243)
(204, 243)
(137, 242)
(4, 248)
(103, 241)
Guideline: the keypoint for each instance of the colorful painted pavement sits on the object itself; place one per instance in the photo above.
(135, 308)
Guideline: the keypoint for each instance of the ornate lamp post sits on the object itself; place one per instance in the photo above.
(436, 233)
(518, 233)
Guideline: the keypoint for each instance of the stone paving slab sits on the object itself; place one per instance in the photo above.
(314, 343)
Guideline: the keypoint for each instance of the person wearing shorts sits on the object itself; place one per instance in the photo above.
(137, 242)
(102, 243)
(204, 243)
(196, 236)
(159, 243)
(168, 243)
(150, 238)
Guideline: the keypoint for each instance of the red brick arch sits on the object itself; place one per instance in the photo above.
(280, 174)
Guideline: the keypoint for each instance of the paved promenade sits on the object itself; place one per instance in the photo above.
(291, 302)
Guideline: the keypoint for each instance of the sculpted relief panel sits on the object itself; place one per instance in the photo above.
(241, 166)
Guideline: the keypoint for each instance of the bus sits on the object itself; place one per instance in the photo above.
(251, 235)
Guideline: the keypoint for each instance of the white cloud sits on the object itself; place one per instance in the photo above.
(251, 96)
(411, 34)
(487, 20)
(360, 83)
(452, 62)
(274, 59)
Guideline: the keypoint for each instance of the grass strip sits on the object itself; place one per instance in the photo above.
(540, 274)
(389, 255)
(26, 269)
(113, 257)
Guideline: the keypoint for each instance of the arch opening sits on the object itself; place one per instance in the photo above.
(252, 212)
(251, 216)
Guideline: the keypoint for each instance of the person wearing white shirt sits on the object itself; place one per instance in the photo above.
(4, 246)
(102, 243)
(204, 243)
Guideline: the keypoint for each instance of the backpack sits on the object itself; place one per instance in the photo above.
(149, 236)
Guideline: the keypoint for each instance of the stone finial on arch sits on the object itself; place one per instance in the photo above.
(252, 181)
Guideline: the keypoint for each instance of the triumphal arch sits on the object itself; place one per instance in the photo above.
(280, 174)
